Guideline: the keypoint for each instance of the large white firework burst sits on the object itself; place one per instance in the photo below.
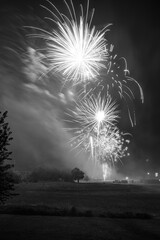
(75, 49)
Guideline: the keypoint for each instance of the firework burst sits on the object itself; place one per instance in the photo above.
(75, 49)
(106, 149)
(95, 131)
(110, 145)
(92, 113)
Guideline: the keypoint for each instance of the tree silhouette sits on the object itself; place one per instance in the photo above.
(77, 174)
(6, 179)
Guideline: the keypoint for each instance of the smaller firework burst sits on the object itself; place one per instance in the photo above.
(110, 146)
(95, 130)
(104, 149)
(92, 113)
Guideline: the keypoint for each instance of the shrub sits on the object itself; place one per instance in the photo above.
(49, 175)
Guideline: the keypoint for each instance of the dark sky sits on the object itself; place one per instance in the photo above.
(135, 34)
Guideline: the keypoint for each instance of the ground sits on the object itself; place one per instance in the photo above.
(118, 211)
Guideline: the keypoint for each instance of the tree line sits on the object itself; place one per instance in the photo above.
(9, 177)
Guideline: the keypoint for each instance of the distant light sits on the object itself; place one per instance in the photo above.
(148, 173)
(70, 95)
(62, 98)
(70, 92)
(156, 174)
(127, 178)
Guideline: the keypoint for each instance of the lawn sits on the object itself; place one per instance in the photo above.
(93, 196)
(117, 212)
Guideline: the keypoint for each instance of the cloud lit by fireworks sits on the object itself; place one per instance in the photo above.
(34, 66)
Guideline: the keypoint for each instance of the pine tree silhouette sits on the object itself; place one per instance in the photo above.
(6, 179)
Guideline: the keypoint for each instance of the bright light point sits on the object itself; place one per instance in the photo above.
(100, 115)
(106, 171)
(70, 93)
(62, 98)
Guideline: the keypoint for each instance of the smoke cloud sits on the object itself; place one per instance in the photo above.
(35, 107)
(34, 100)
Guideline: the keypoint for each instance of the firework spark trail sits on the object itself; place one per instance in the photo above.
(106, 170)
(120, 76)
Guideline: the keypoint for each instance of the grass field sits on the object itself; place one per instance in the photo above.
(108, 211)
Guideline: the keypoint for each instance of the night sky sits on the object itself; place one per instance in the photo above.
(135, 34)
